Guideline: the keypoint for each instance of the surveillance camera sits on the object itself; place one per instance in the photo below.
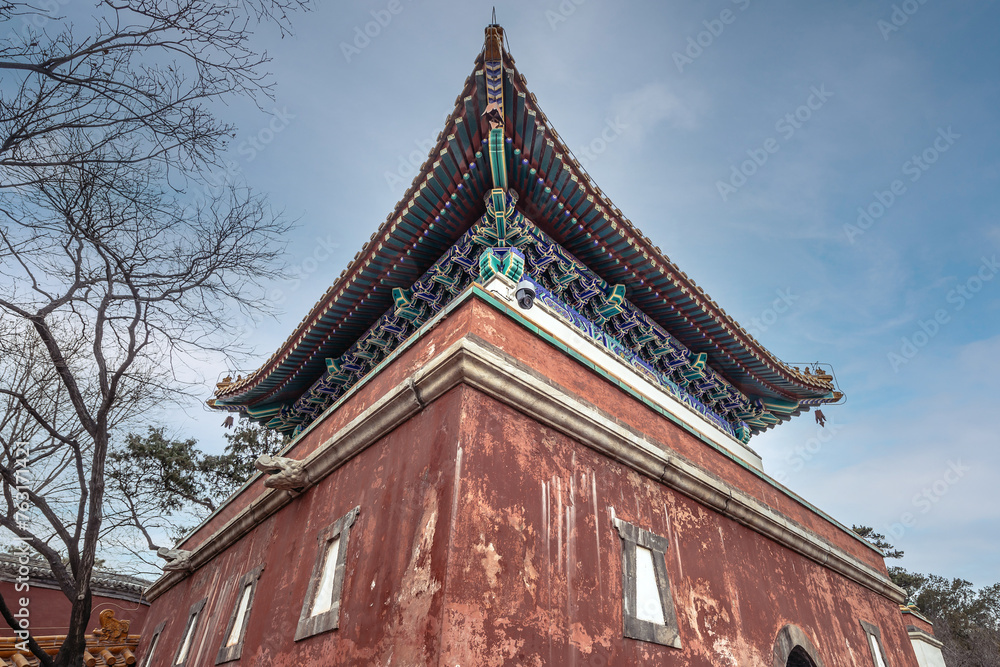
(525, 294)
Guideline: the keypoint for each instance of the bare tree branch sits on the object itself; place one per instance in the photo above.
(111, 283)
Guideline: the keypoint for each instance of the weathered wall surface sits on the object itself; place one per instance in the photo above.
(535, 575)
(392, 596)
(919, 622)
(49, 610)
(456, 325)
(503, 331)
(483, 320)
(485, 537)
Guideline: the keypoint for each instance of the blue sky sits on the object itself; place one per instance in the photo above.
(746, 136)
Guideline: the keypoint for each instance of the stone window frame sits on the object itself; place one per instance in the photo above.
(871, 630)
(230, 653)
(153, 643)
(329, 620)
(190, 628)
(632, 536)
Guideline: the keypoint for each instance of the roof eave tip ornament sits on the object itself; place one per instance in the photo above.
(494, 41)
(493, 62)
(493, 114)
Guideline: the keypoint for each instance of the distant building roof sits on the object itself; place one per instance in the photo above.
(105, 583)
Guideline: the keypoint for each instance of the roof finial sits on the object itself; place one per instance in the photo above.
(494, 15)
(494, 42)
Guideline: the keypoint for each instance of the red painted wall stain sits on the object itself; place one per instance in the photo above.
(485, 538)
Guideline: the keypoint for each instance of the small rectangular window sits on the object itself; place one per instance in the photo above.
(874, 637)
(323, 600)
(186, 644)
(232, 645)
(190, 630)
(321, 607)
(876, 651)
(241, 614)
(647, 605)
(157, 631)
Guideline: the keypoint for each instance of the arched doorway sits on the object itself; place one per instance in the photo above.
(799, 658)
(793, 648)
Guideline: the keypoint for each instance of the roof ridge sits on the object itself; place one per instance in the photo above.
(558, 186)
(397, 210)
(761, 352)
(103, 579)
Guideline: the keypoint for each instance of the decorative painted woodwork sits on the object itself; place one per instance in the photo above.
(458, 224)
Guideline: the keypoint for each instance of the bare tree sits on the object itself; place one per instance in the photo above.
(36, 465)
(140, 82)
(110, 283)
(113, 290)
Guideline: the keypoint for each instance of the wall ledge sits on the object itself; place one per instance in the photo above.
(478, 364)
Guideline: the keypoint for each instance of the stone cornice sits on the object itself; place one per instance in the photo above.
(478, 364)
(916, 634)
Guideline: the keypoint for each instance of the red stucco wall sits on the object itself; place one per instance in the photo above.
(533, 587)
(392, 595)
(49, 610)
(453, 328)
(918, 622)
(504, 332)
(456, 558)
(494, 326)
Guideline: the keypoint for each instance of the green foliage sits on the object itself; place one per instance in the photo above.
(182, 474)
(174, 468)
(911, 582)
(878, 539)
(957, 602)
(248, 441)
(966, 620)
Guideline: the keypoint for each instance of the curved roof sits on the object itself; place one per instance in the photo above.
(446, 198)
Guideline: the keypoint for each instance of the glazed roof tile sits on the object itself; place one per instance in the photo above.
(556, 192)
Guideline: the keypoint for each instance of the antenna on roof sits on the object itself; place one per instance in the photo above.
(494, 15)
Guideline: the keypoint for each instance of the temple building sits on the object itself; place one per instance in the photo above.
(522, 436)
